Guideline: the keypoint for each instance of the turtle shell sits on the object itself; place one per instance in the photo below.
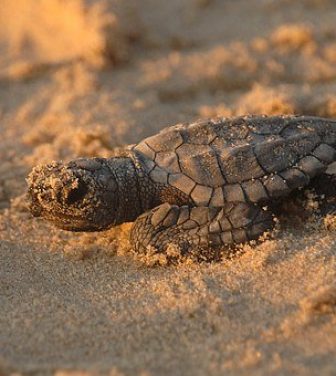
(251, 158)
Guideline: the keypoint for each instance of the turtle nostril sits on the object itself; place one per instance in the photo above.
(77, 194)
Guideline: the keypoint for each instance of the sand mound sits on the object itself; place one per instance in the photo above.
(34, 34)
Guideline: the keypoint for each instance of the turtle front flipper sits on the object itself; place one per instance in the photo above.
(178, 232)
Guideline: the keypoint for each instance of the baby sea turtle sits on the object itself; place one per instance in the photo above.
(194, 187)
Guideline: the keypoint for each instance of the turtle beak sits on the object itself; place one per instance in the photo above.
(35, 208)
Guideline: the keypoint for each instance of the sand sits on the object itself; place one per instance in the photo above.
(79, 78)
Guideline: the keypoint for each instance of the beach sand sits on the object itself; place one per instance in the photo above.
(79, 78)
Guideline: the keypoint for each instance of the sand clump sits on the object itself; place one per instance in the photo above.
(113, 73)
(293, 38)
(321, 303)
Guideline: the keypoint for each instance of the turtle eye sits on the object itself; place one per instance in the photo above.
(77, 194)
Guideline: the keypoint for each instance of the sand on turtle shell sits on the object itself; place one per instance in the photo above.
(80, 78)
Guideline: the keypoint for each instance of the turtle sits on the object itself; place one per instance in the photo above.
(191, 189)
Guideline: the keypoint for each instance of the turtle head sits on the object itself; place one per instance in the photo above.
(79, 196)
